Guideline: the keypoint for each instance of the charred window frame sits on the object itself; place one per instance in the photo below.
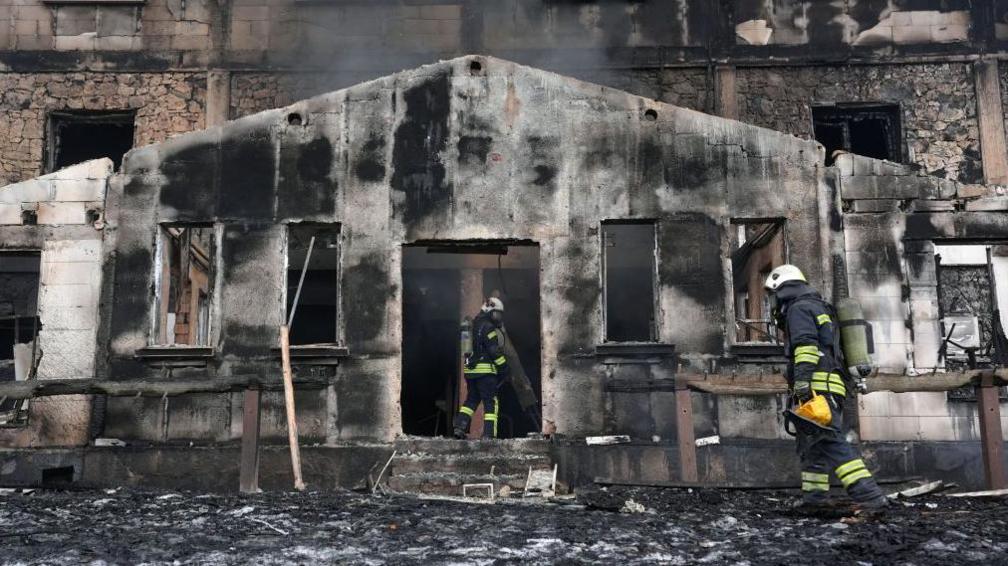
(630, 280)
(872, 130)
(316, 320)
(77, 136)
(19, 327)
(757, 247)
(185, 276)
(971, 285)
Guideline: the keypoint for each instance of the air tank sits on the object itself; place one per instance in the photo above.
(854, 336)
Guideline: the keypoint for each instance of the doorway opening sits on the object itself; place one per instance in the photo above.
(445, 283)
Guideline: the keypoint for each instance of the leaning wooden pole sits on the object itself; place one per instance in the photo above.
(292, 431)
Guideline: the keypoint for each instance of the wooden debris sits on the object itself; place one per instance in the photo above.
(986, 493)
(607, 440)
(929, 487)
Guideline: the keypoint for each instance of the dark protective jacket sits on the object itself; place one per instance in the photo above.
(488, 349)
(813, 347)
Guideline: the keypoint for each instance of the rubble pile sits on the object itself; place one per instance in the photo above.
(126, 526)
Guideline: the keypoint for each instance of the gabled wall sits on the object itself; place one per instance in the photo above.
(455, 152)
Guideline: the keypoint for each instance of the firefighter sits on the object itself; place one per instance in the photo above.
(486, 368)
(815, 367)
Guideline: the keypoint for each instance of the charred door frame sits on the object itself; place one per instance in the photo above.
(463, 246)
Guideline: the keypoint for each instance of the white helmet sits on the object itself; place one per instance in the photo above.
(492, 304)
(781, 275)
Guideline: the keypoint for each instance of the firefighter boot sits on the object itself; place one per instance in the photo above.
(867, 496)
(461, 430)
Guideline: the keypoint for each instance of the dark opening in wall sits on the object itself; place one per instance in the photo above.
(77, 136)
(186, 271)
(869, 130)
(60, 475)
(629, 263)
(19, 325)
(758, 246)
(316, 320)
(444, 285)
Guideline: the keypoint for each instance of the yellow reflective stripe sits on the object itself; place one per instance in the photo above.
(806, 359)
(813, 486)
(466, 410)
(855, 476)
(855, 464)
(838, 389)
(814, 477)
(806, 350)
(823, 319)
(500, 361)
(489, 417)
(482, 368)
(492, 334)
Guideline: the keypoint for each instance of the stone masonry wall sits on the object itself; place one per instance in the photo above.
(165, 104)
(256, 92)
(938, 103)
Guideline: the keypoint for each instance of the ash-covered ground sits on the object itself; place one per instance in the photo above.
(128, 526)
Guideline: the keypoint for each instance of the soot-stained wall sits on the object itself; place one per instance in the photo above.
(475, 148)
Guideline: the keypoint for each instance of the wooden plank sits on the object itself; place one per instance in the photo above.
(775, 384)
(148, 387)
(249, 476)
(726, 93)
(292, 430)
(990, 115)
(991, 439)
(685, 435)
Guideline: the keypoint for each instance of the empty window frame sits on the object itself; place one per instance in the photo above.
(78, 136)
(19, 325)
(869, 130)
(758, 246)
(316, 320)
(185, 276)
(629, 266)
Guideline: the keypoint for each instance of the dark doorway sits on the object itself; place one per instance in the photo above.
(868, 130)
(75, 137)
(442, 285)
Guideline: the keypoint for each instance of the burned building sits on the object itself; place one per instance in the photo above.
(626, 228)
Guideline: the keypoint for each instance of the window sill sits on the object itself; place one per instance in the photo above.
(635, 349)
(315, 354)
(176, 355)
(759, 353)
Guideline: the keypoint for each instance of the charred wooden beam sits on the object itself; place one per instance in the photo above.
(776, 384)
(149, 388)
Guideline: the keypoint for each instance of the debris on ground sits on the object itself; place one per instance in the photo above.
(133, 526)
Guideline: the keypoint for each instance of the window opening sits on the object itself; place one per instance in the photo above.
(758, 246)
(868, 130)
(75, 137)
(972, 284)
(19, 326)
(186, 274)
(318, 306)
(629, 267)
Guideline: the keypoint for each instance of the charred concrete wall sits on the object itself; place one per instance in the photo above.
(68, 209)
(896, 215)
(471, 149)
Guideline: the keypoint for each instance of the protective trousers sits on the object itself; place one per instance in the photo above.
(481, 388)
(826, 450)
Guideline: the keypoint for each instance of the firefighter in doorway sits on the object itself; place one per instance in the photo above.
(486, 368)
(815, 376)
